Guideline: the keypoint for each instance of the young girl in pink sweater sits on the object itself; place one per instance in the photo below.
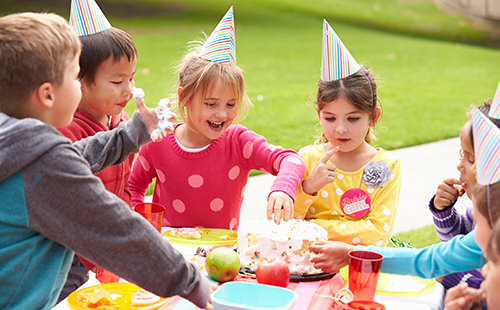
(202, 168)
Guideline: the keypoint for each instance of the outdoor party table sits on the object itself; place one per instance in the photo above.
(312, 295)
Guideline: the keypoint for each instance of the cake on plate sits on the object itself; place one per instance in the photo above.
(263, 240)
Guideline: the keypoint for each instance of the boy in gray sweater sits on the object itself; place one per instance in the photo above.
(51, 204)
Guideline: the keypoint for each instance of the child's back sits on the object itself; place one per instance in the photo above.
(52, 204)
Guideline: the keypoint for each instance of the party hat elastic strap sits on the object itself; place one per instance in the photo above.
(495, 105)
(87, 18)
(336, 62)
(486, 148)
(220, 46)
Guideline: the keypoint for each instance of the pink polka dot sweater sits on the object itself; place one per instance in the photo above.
(206, 188)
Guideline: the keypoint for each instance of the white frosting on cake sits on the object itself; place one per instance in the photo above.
(261, 240)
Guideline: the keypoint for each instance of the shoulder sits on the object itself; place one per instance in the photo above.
(390, 157)
(312, 151)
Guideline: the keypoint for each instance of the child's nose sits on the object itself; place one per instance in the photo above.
(128, 87)
(341, 128)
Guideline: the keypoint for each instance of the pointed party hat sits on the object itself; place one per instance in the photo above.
(336, 62)
(87, 18)
(495, 105)
(486, 148)
(220, 45)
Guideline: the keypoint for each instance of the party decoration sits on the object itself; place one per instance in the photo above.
(87, 18)
(486, 148)
(336, 63)
(220, 46)
(495, 105)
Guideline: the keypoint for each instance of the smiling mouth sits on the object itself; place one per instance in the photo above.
(215, 125)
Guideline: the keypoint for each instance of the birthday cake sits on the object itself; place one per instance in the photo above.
(263, 240)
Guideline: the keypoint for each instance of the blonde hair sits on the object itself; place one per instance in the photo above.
(35, 48)
(359, 89)
(196, 76)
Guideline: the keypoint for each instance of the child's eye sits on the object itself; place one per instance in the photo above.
(117, 83)
(210, 104)
(353, 119)
(231, 105)
(330, 119)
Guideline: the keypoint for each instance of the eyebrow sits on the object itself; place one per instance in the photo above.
(219, 99)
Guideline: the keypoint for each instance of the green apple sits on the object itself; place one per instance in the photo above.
(222, 264)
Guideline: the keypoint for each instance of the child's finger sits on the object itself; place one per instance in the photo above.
(328, 155)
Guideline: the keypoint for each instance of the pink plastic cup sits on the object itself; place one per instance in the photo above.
(153, 212)
(105, 276)
(364, 269)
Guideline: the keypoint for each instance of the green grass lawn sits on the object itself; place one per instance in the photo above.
(430, 65)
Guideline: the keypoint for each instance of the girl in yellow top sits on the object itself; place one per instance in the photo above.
(349, 187)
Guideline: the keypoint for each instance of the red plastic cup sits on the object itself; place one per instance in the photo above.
(105, 276)
(153, 212)
(364, 269)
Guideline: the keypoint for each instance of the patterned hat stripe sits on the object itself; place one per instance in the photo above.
(337, 62)
(220, 46)
(87, 18)
(495, 104)
(486, 147)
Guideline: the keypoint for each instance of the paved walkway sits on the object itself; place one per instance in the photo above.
(423, 167)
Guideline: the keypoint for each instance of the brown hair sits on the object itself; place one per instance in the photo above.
(98, 47)
(359, 88)
(35, 48)
(196, 76)
(487, 201)
(485, 109)
(493, 250)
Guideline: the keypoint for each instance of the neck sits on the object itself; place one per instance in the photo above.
(190, 138)
(353, 160)
(86, 106)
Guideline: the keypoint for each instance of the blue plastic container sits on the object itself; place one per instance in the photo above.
(252, 296)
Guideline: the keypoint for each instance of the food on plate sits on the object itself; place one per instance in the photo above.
(263, 240)
(187, 233)
(143, 298)
(203, 250)
(99, 299)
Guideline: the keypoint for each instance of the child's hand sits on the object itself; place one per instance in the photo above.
(462, 297)
(213, 288)
(321, 174)
(148, 115)
(277, 201)
(447, 192)
(330, 256)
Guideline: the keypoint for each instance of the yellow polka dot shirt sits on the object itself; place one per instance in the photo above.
(380, 179)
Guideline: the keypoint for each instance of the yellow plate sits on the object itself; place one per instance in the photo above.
(123, 293)
(397, 285)
(212, 237)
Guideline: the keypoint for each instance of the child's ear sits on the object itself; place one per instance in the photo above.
(376, 116)
(180, 93)
(45, 95)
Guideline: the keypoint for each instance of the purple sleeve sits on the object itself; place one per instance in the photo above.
(449, 223)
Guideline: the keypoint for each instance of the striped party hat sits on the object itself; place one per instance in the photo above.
(486, 148)
(87, 18)
(336, 62)
(495, 105)
(220, 45)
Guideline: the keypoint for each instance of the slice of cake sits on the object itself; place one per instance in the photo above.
(187, 233)
(263, 240)
(143, 298)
